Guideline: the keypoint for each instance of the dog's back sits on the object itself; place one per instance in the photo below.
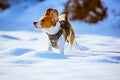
(67, 29)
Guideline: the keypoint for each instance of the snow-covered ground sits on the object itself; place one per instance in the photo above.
(24, 55)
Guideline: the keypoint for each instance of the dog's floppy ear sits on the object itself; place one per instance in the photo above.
(54, 15)
(48, 11)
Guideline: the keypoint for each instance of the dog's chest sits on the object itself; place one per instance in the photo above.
(54, 38)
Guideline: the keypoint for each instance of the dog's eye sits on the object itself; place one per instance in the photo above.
(43, 20)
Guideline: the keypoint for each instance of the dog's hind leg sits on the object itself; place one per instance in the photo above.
(72, 36)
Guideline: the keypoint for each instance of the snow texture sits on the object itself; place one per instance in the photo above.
(24, 55)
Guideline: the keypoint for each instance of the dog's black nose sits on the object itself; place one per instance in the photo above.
(34, 23)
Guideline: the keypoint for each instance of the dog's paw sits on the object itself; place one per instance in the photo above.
(49, 49)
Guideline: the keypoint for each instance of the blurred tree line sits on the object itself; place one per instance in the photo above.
(4, 4)
(90, 11)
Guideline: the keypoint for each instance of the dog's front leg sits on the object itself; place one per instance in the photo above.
(62, 50)
(61, 44)
(49, 46)
(61, 47)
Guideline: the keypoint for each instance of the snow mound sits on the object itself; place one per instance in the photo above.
(50, 55)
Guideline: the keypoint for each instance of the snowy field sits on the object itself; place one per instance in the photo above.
(24, 55)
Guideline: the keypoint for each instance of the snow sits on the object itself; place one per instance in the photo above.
(24, 55)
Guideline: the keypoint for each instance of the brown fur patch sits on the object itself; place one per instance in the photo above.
(48, 11)
(46, 22)
(64, 34)
(72, 37)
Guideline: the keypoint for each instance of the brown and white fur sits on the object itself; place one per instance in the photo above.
(50, 23)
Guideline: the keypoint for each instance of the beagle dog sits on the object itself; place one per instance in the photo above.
(58, 29)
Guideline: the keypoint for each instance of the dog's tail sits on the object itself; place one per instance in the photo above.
(63, 17)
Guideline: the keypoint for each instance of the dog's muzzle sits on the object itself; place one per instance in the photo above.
(37, 25)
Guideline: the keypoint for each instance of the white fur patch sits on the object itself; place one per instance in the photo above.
(60, 18)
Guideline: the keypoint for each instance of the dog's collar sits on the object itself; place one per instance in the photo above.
(57, 34)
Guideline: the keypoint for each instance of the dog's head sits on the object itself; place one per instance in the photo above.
(49, 19)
